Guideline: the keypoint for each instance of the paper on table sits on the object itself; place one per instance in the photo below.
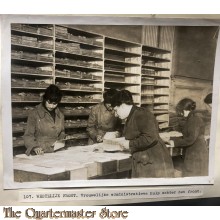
(24, 156)
(58, 145)
(110, 145)
(112, 148)
(114, 141)
(175, 134)
(165, 136)
(111, 135)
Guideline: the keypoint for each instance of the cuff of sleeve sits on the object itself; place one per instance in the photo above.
(93, 136)
(131, 147)
(28, 151)
(62, 136)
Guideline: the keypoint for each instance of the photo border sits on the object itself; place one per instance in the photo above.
(8, 181)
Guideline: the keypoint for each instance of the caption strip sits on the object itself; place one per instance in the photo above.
(70, 195)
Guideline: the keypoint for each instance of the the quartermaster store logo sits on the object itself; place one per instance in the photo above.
(33, 213)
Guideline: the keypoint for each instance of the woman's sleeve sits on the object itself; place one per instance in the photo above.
(193, 132)
(29, 135)
(62, 133)
(119, 126)
(92, 123)
(148, 132)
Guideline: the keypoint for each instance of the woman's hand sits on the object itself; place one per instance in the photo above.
(99, 138)
(117, 134)
(38, 151)
(124, 144)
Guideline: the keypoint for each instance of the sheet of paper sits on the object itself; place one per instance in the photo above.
(58, 145)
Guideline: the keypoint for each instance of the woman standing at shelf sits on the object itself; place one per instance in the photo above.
(102, 119)
(193, 141)
(45, 124)
(150, 156)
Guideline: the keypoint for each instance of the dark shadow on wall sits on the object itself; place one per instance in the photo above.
(194, 51)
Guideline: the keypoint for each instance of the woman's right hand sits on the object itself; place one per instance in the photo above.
(124, 144)
(99, 138)
(38, 151)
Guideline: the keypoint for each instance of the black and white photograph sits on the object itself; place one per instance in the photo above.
(109, 105)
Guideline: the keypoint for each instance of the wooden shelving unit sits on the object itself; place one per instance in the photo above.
(31, 72)
(79, 74)
(60, 54)
(83, 65)
(155, 82)
(123, 66)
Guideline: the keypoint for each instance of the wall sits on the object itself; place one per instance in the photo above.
(193, 63)
(158, 36)
(194, 52)
(195, 89)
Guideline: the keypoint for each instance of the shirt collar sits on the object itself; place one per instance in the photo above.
(42, 111)
(131, 112)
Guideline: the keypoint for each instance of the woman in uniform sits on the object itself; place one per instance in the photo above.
(45, 124)
(102, 119)
(192, 141)
(150, 156)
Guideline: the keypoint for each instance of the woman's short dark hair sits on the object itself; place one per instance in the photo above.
(123, 96)
(107, 96)
(52, 94)
(208, 99)
(185, 104)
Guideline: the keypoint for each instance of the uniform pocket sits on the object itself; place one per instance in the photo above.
(142, 157)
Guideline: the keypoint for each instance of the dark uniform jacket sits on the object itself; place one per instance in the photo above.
(101, 121)
(195, 147)
(150, 156)
(41, 129)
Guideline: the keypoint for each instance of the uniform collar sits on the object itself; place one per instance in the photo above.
(191, 114)
(42, 111)
(104, 107)
(131, 112)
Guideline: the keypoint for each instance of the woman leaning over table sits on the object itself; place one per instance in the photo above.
(102, 119)
(150, 156)
(45, 124)
(192, 141)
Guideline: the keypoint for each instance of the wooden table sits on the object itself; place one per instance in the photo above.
(75, 163)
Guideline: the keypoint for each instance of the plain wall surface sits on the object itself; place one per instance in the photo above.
(194, 52)
(193, 63)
